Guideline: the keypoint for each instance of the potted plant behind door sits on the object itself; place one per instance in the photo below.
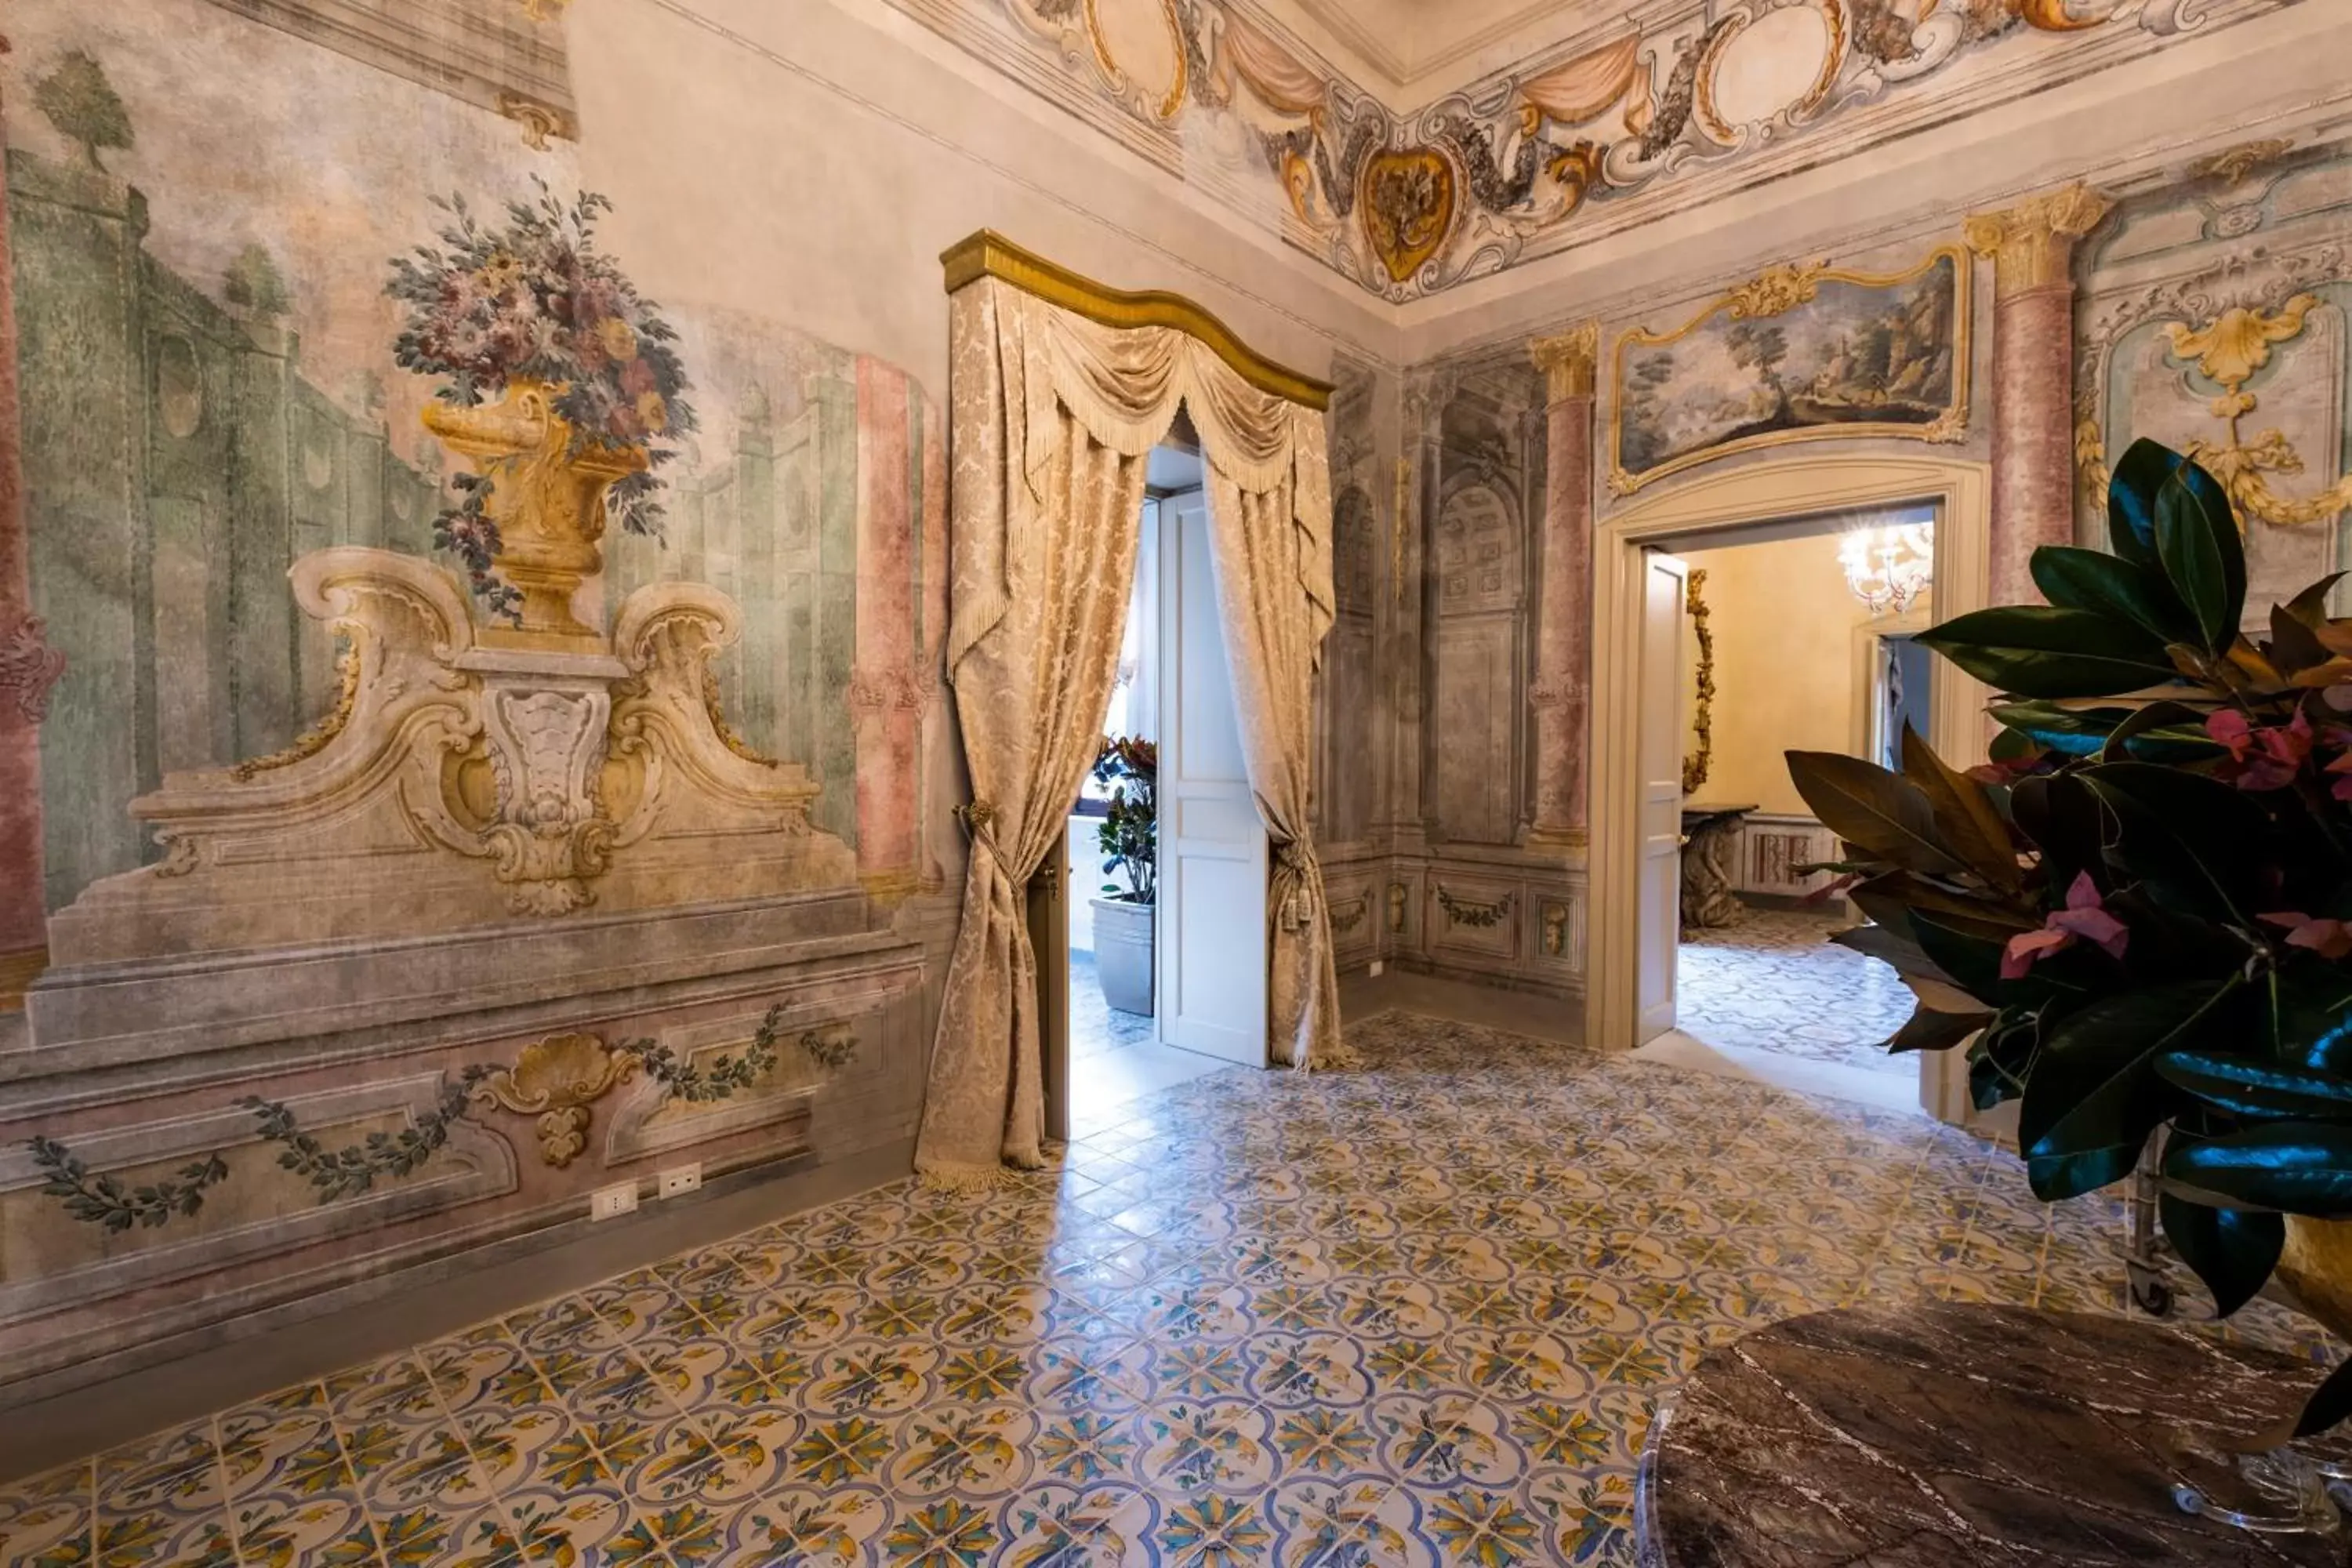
(1129, 837)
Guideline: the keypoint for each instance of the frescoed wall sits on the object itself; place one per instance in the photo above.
(396, 897)
(2213, 317)
(1624, 121)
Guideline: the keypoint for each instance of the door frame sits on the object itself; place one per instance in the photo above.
(1782, 491)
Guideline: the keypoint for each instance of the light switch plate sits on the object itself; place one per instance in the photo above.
(611, 1203)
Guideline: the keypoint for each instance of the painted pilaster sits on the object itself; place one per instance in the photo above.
(2032, 247)
(884, 694)
(27, 669)
(1562, 692)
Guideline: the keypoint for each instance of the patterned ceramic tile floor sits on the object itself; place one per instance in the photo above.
(1416, 1314)
(1776, 983)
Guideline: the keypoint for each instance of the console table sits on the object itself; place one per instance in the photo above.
(1710, 837)
(1951, 1432)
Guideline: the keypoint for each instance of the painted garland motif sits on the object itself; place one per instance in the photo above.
(353, 1169)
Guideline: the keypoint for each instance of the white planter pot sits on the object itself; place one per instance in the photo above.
(1123, 954)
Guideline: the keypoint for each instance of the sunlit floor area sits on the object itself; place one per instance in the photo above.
(1776, 983)
(1417, 1313)
(1115, 1060)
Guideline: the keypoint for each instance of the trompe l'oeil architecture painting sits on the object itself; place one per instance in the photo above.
(485, 699)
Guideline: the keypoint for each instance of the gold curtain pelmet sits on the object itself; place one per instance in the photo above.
(988, 253)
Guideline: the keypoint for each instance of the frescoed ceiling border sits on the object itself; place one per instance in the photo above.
(1616, 127)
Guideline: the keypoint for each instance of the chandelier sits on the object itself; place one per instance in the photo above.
(1888, 568)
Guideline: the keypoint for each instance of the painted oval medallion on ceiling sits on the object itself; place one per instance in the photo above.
(1782, 61)
(1139, 43)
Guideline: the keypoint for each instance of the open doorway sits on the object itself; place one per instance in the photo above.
(1166, 856)
(1794, 637)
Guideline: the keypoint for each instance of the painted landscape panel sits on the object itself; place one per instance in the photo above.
(1803, 353)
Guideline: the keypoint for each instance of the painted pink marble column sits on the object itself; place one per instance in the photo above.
(884, 691)
(2033, 249)
(1562, 691)
(27, 670)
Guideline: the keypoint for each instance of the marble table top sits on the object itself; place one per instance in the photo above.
(1936, 1435)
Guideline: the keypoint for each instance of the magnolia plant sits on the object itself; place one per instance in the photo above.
(2135, 914)
(1129, 832)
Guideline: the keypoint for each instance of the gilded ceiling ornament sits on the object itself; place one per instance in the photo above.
(1776, 290)
(2228, 351)
(557, 1079)
(2233, 166)
(1409, 206)
(538, 120)
(2053, 16)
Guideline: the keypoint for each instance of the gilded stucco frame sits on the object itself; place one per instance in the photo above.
(1776, 291)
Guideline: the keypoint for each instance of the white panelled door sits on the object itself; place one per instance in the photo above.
(1213, 846)
(1666, 586)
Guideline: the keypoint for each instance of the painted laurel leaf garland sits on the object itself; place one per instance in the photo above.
(2137, 915)
(337, 1174)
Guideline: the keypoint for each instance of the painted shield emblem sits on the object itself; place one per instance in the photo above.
(1408, 206)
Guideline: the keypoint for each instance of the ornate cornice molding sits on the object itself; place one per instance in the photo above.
(988, 253)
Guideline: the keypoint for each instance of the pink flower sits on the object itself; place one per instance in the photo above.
(2342, 768)
(2327, 938)
(2084, 918)
(2265, 758)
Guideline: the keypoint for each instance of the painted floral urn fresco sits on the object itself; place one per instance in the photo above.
(562, 386)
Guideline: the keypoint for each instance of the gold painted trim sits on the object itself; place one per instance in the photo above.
(18, 972)
(1774, 292)
(1116, 74)
(1697, 766)
(988, 253)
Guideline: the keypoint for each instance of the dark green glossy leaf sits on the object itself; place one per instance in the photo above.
(2044, 650)
(2094, 1096)
(2064, 820)
(2111, 586)
(2329, 1404)
(1966, 822)
(2259, 1090)
(2000, 1061)
(2138, 475)
(2312, 1018)
(1882, 811)
(2056, 727)
(2197, 542)
(2298, 1167)
(2233, 1250)
(2198, 838)
(2159, 733)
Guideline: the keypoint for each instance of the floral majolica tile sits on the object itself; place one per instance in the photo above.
(1420, 1314)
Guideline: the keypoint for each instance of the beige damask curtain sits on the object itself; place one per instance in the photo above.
(1052, 416)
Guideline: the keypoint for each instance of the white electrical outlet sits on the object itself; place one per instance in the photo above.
(611, 1203)
(679, 1180)
(1377, 967)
